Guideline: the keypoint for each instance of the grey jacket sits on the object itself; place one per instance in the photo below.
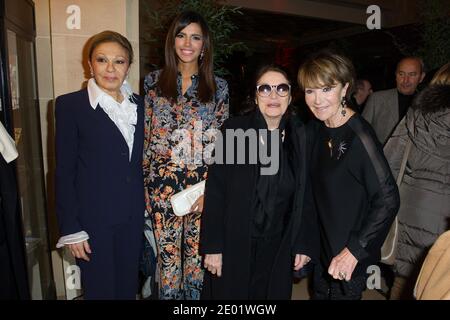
(425, 190)
(381, 111)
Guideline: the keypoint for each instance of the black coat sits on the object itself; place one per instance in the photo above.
(13, 272)
(227, 221)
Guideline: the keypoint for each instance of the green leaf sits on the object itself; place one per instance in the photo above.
(217, 15)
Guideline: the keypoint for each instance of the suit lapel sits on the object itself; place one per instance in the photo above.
(138, 132)
(108, 122)
(103, 116)
(392, 117)
(395, 104)
(394, 107)
(388, 115)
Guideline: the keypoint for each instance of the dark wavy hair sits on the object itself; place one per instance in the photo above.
(249, 104)
(167, 83)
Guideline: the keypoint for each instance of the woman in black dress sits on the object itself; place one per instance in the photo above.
(355, 195)
(253, 210)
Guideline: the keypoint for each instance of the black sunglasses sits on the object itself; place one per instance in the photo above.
(264, 90)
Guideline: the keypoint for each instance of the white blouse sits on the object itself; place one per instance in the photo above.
(124, 114)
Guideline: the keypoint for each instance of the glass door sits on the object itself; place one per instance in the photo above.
(23, 109)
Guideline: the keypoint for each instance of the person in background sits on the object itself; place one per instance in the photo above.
(363, 89)
(385, 109)
(433, 282)
(251, 224)
(184, 99)
(353, 189)
(425, 192)
(99, 178)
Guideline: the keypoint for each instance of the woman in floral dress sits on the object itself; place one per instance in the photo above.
(184, 101)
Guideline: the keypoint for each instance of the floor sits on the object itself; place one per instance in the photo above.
(300, 292)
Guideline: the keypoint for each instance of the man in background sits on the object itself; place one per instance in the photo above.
(384, 109)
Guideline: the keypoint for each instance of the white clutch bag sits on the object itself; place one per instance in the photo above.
(183, 200)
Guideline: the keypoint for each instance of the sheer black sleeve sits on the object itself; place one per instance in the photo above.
(382, 191)
(308, 238)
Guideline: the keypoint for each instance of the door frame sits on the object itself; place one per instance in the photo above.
(20, 24)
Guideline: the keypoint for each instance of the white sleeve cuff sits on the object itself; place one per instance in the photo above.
(72, 238)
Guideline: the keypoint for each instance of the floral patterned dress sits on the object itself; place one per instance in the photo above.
(177, 141)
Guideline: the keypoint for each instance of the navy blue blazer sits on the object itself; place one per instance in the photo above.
(96, 184)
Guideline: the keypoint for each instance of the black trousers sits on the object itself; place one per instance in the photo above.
(13, 268)
(113, 269)
(263, 254)
(8, 288)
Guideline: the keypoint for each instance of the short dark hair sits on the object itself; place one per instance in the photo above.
(110, 36)
(249, 104)
(359, 83)
(267, 68)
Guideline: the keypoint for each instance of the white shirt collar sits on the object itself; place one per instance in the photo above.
(96, 94)
(124, 115)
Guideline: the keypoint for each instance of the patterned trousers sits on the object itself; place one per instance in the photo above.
(179, 262)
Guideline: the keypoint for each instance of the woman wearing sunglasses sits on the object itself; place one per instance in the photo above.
(354, 193)
(252, 210)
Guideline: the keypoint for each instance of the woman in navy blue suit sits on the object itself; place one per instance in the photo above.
(99, 179)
